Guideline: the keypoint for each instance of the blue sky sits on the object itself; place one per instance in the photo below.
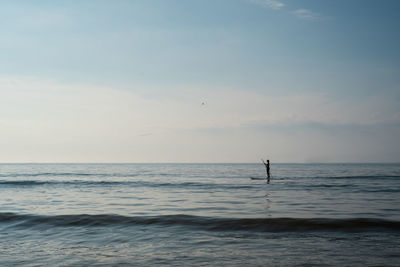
(123, 81)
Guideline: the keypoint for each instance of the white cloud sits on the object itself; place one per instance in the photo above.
(306, 14)
(274, 4)
(302, 13)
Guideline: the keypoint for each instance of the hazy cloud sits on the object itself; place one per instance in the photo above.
(306, 14)
(274, 4)
(49, 121)
(301, 13)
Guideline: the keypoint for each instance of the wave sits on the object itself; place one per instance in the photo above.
(123, 183)
(204, 223)
(82, 174)
(347, 177)
(18, 183)
(328, 186)
(155, 174)
(374, 177)
(46, 174)
(68, 174)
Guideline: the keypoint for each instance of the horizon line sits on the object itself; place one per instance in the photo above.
(350, 162)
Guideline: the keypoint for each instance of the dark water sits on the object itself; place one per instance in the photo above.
(199, 215)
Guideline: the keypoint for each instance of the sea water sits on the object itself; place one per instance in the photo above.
(199, 215)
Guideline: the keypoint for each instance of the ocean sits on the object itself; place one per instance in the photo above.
(199, 215)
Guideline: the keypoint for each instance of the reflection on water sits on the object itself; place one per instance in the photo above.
(267, 203)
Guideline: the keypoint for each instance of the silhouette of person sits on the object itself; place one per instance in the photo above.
(267, 168)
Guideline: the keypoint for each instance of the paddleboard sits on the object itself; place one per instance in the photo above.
(257, 178)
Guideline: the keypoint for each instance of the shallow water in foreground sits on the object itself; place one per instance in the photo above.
(199, 215)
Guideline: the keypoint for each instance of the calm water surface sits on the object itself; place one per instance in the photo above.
(199, 215)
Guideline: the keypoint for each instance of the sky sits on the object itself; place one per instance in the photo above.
(199, 81)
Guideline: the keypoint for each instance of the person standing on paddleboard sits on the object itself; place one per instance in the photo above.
(267, 168)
